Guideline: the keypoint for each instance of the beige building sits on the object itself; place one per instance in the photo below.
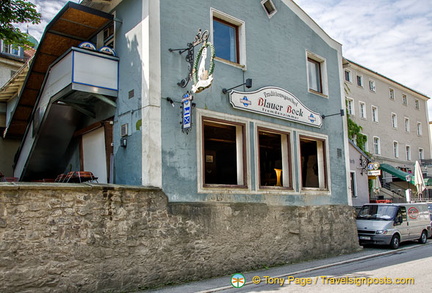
(13, 70)
(394, 119)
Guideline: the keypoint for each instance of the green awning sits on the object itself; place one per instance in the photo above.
(396, 172)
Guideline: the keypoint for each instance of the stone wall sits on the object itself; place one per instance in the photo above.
(110, 238)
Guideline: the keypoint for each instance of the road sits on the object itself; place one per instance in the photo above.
(382, 268)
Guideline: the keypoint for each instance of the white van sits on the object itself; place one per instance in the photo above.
(391, 224)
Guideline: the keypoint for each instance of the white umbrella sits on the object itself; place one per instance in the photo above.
(418, 179)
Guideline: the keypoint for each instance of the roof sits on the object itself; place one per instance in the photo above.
(385, 77)
(73, 25)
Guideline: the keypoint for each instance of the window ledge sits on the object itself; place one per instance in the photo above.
(243, 67)
(318, 94)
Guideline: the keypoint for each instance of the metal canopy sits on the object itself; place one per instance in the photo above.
(72, 25)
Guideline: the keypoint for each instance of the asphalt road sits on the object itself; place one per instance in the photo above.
(374, 269)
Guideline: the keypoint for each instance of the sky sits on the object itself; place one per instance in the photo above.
(391, 37)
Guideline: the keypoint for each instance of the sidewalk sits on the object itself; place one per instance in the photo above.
(223, 283)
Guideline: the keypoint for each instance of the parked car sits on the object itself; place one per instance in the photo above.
(391, 224)
(430, 215)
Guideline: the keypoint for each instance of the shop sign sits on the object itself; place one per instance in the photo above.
(275, 102)
(187, 112)
(373, 169)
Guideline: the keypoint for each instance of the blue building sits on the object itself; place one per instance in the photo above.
(224, 100)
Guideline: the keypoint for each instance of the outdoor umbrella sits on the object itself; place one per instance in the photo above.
(418, 179)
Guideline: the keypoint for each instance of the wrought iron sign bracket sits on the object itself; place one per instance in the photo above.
(201, 37)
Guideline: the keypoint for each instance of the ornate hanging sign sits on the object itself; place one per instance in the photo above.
(275, 102)
(202, 77)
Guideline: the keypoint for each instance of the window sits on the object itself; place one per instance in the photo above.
(269, 7)
(421, 154)
(108, 35)
(365, 146)
(223, 153)
(408, 152)
(314, 70)
(419, 128)
(395, 149)
(376, 145)
(374, 114)
(9, 49)
(407, 125)
(362, 110)
(313, 163)
(348, 76)
(350, 107)
(274, 159)
(404, 100)
(317, 74)
(391, 94)
(394, 120)
(228, 38)
(417, 104)
(360, 80)
(372, 85)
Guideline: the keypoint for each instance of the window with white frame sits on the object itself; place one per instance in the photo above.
(372, 86)
(417, 104)
(408, 152)
(374, 114)
(376, 145)
(9, 48)
(360, 80)
(362, 110)
(317, 74)
(394, 120)
(269, 7)
(365, 144)
(348, 75)
(274, 158)
(407, 124)
(419, 128)
(228, 37)
(421, 154)
(313, 163)
(404, 100)
(223, 153)
(395, 149)
(350, 106)
(391, 93)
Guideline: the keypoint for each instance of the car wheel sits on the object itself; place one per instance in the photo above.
(423, 238)
(395, 241)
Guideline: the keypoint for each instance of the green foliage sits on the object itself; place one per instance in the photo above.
(16, 11)
(354, 129)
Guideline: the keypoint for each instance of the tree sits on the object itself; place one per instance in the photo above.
(16, 11)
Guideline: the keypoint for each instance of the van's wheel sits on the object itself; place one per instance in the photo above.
(423, 238)
(395, 241)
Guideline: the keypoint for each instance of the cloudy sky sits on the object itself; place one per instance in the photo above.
(391, 37)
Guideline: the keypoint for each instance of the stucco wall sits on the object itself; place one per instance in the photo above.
(100, 238)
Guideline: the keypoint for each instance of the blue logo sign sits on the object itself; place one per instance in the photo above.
(245, 101)
(312, 118)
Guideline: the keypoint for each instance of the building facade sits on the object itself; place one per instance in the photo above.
(394, 119)
(226, 103)
(13, 68)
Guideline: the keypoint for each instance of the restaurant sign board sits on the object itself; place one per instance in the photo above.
(275, 102)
